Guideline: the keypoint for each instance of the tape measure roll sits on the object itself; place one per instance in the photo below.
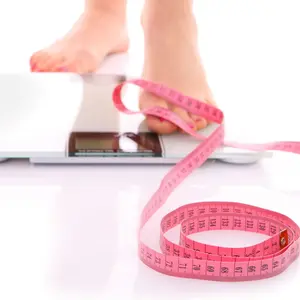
(192, 259)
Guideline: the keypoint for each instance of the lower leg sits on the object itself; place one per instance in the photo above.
(100, 31)
(172, 58)
(114, 5)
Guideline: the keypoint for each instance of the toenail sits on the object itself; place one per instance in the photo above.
(192, 126)
(34, 68)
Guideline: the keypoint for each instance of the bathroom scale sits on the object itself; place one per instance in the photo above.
(53, 118)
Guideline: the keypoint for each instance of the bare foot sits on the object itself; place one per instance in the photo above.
(95, 35)
(172, 59)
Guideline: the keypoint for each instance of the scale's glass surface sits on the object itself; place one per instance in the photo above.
(63, 118)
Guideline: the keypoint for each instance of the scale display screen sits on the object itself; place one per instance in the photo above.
(112, 144)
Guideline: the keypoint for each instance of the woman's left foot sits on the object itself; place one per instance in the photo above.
(172, 59)
(98, 32)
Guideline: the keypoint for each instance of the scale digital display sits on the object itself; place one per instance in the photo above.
(113, 144)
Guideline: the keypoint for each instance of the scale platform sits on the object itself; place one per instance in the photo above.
(53, 118)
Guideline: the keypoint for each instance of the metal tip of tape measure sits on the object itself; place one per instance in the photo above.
(283, 238)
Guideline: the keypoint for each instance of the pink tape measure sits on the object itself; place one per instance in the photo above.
(192, 259)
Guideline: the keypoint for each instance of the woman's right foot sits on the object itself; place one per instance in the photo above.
(95, 35)
(172, 58)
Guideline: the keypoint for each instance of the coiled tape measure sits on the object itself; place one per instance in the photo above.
(192, 259)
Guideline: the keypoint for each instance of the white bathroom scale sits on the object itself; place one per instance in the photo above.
(56, 118)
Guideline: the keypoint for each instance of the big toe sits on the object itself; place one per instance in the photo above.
(156, 124)
(38, 60)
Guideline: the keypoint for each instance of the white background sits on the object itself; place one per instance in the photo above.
(70, 232)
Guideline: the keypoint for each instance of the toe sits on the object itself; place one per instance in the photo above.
(47, 65)
(185, 116)
(39, 60)
(160, 126)
(44, 61)
(56, 64)
(200, 123)
(156, 124)
(36, 59)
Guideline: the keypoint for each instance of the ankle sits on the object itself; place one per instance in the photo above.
(166, 11)
(169, 8)
(160, 15)
(114, 8)
(179, 25)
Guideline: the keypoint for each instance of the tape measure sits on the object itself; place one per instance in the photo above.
(192, 259)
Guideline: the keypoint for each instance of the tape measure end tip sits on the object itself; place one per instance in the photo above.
(283, 238)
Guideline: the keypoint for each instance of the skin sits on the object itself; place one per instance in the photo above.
(171, 51)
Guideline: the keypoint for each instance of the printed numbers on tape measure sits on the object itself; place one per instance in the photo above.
(196, 260)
